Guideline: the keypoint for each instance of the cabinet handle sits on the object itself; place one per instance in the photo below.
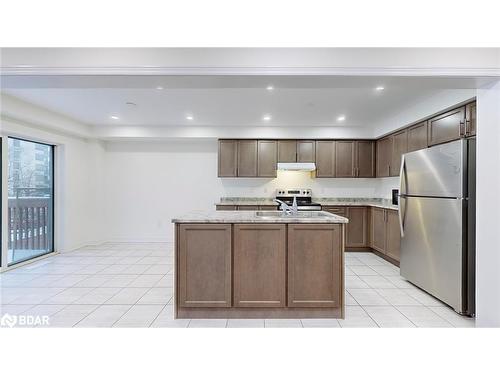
(462, 126)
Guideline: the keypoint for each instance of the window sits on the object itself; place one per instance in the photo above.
(31, 200)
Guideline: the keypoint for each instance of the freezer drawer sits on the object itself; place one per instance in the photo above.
(432, 246)
(435, 171)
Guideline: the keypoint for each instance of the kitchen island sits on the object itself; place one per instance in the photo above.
(265, 264)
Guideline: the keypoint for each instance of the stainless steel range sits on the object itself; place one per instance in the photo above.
(303, 197)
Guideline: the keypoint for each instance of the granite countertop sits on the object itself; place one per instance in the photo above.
(371, 202)
(317, 217)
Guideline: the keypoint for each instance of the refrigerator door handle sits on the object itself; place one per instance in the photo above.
(402, 177)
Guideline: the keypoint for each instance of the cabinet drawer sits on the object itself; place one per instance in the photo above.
(225, 207)
(342, 211)
(248, 208)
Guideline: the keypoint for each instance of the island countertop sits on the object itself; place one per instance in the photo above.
(260, 217)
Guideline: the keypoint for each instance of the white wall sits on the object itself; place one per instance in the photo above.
(488, 208)
(148, 183)
(79, 183)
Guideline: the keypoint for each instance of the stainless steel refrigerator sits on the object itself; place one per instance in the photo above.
(437, 221)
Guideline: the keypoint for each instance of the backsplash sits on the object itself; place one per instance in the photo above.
(322, 187)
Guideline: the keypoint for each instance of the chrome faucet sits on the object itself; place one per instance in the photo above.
(293, 210)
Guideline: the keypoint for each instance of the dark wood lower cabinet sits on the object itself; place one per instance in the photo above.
(259, 265)
(377, 232)
(204, 265)
(259, 270)
(356, 232)
(315, 265)
(393, 235)
(385, 235)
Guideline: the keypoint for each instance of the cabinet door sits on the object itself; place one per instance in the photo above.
(247, 158)
(259, 265)
(447, 126)
(393, 234)
(344, 159)
(356, 229)
(470, 122)
(267, 158)
(399, 147)
(384, 147)
(224, 207)
(377, 232)
(248, 207)
(365, 159)
(287, 151)
(315, 274)
(227, 158)
(204, 274)
(325, 158)
(417, 137)
(306, 151)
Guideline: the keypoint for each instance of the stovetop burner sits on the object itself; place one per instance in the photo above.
(303, 196)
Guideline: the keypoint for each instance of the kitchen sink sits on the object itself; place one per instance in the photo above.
(303, 214)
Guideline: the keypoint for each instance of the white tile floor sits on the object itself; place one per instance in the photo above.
(130, 285)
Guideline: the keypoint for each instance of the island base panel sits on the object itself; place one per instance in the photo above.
(259, 313)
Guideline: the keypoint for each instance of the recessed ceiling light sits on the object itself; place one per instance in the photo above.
(114, 117)
(270, 88)
(266, 118)
(159, 87)
(341, 118)
(379, 88)
(189, 117)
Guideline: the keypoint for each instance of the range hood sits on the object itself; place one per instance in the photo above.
(296, 167)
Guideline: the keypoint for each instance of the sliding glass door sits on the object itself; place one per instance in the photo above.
(30, 200)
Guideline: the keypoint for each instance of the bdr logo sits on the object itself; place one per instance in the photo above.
(10, 321)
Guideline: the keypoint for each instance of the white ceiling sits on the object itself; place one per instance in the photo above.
(228, 100)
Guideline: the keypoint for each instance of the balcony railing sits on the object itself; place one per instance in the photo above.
(30, 223)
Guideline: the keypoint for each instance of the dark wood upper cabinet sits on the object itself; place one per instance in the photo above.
(227, 158)
(315, 272)
(287, 151)
(417, 137)
(204, 252)
(267, 158)
(345, 159)
(377, 232)
(393, 235)
(306, 151)
(259, 265)
(357, 228)
(470, 121)
(447, 126)
(325, 158)
(247, 158)
(399, 147)
(384, 155)
(365, 159)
